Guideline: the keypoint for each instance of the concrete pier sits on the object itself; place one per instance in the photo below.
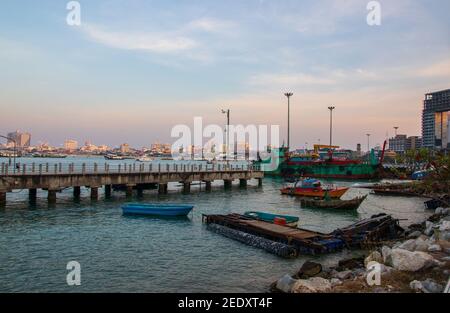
(108, 189)
(208, 186)
(32, 195)
(76, 192)
(242, 183)
(162, 189)
(260, 182)
(51, 197)
(186, 187)
(2, 198)
(140, 191)
(129, 191)
(227, 183)
(94, 193)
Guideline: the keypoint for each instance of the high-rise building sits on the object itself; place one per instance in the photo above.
(413, 143)
(22, 140)
(70, 145)
(435, 120)
(398, 143)
(125, 148)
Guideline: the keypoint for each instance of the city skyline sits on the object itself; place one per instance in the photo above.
(130, 72)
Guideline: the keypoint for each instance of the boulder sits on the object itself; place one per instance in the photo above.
(414, 234)
(343, 275)
(285, 283)
(439, 210)
(312, 285)
(429, 228)
(426, 286)
(404, 260)
(374, 256)
(309, 269)
(434, 248)
(350, 264)
(386, 253)
(420, 245)
(335, 282)
(409, 245)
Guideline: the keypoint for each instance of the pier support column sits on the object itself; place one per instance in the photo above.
(243, 183)
(227, 183)
(51, 197)
(260, 182)
(129, 191)
(77, 192)
(208, 186)
(108, 191)
(2, 198)
(140, 191)
(186, 187)
(162, 189)
(32, 194)
(94, 193)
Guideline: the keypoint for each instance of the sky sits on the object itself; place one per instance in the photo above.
(134, 69)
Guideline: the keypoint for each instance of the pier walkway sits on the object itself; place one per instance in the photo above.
(138, 176)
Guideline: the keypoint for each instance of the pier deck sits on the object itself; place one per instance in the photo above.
(130, 176)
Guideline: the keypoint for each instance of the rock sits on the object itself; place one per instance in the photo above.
(446, 211)
(404, 260)
(309, 269)
(312, 285)
(350, 264)
(374, 256)
(409, 245)
(285, 283)
(434, 248)
(414, 234)
(439, 210)
(386, 253)
(343, 275)
(429, 228)
(426, 286)
(359, 272)
(335, 282)
(444, 226)
(420, 245)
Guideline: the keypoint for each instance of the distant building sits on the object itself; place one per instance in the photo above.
(125, 148)
(70, 145)
(435, 120)
(413, 143)
(402, 143)
(22, 140)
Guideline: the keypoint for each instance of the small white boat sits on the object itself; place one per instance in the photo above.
(144, 159)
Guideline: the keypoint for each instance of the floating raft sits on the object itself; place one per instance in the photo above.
(290, 242)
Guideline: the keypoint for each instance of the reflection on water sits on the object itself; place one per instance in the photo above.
(149, 254)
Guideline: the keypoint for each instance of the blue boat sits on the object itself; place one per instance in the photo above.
(273, 218)
(157, 209)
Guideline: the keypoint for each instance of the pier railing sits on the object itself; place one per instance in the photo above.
(126, 168)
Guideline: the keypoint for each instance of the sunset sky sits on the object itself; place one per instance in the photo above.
(134, 69)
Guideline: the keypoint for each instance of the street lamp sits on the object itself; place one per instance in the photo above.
(289, 95)
(15, 150)
(227, 112)
(331, 124)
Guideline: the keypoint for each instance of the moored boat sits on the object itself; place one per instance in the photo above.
(337, 204)
(279, 219)
(157, 209)
(313, 188)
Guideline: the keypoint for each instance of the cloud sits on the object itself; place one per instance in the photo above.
(285, 79)
(151, 42)
(438, 69)
(211, 25)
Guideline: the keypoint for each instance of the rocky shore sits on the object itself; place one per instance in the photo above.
(420, 263)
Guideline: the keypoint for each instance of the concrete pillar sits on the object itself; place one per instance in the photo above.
(140, 191)
(186, 187)
(108, 191)
(260, 182)
(94, 193)
(129, 191)
(32, 194)
(76, 192)
(51, 196)
(242, 183)
(2, 198)
(227, 183)
(208, 186)
(162, 189)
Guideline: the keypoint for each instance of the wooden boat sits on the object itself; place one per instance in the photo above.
(337, 204)
(394, 192)
(279, 219)
(313, 188)
(157, 209)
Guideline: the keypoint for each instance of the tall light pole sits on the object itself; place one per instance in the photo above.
(289, 95)
(331, 125)
(227, 112)
(368, 143)
(15, 151)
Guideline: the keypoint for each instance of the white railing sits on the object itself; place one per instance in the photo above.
(133, 168)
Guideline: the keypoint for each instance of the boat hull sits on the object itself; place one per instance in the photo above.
(157, 210)
(315, 193)
(291, 221)
(333, 204)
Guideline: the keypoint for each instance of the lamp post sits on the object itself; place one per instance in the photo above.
(227, 130)
(331, 125)
(396, 128)
(15, 151)
(289, 95)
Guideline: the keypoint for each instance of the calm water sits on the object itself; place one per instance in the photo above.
(132, 254)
